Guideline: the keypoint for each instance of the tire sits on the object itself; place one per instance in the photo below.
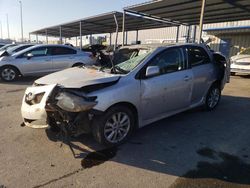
(9, 73)
(52, 125)
(233, 73)
(213, 97)
(110, 133)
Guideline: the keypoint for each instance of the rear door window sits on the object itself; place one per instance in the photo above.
(197, 56)
(62, 51)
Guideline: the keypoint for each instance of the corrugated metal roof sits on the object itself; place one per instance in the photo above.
(188, 11)
(103, 23)
(228, 30)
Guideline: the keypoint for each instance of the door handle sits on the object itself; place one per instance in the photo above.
(187, 78)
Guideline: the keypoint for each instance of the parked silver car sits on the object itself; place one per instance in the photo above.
(40, 60)
(15, 49)
(112, 103)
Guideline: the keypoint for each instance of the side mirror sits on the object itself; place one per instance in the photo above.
(29, 55)
(152, 71)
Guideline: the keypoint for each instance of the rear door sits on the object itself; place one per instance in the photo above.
(63, 57)
(171, 89)
(40, 63)
(203, 70)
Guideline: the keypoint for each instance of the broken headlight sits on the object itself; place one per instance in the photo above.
(73, 103)
(32, 99)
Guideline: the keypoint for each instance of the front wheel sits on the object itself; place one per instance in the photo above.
(213, 97)
(114, 127)
(9, 73)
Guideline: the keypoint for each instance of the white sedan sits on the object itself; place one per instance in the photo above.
(40, 60)
(241, 63)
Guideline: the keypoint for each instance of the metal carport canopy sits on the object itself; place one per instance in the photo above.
(189, 11)
(100, 24)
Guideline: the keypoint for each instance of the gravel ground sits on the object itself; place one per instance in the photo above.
(191, 149)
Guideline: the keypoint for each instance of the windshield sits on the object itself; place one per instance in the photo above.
(7, 47)
(245, 51)
(130, 64)
(10, 50)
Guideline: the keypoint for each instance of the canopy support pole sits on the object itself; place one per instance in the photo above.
(177, 34)
(136, 36)
(123, 27)
(194, 34)
(29, 37)
(188, 34)
(110, 39)
(60, 30)
(90, 39)
(47, 41)
(80, 33)
(201, 20)
(37, 38)
(126, 37)
(76, 41)
(116, 31)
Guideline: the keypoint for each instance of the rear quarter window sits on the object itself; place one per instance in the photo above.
(62, 51)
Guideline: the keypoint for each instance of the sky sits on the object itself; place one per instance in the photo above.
(43, 13)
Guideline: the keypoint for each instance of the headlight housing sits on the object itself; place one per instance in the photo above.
(32, 99)
(73, 103)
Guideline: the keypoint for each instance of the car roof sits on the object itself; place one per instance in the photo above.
(157, 45)
(43, 45)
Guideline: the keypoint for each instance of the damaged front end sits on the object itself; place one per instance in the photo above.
(70, 111)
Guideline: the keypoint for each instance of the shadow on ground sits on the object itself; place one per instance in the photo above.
(194, 145)
(21, 81)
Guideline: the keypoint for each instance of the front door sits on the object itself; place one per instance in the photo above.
(39, 63)
(171, 89)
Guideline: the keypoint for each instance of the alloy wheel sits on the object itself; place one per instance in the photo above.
(8, 74)
(117, 127)
(214, 97)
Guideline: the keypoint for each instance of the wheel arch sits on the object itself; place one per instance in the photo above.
(132, 107)
(9, 65)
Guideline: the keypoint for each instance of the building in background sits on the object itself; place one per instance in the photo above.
(229, 38)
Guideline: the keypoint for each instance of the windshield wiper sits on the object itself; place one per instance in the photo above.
(120, 70)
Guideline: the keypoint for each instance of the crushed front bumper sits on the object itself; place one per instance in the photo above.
(33, 111)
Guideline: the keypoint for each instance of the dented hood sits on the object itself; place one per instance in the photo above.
(77, 77)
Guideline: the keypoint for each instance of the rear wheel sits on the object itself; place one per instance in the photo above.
(114, 127)
(213, 97)
(9, 73)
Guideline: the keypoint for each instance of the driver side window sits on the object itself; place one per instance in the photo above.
(168, 61)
